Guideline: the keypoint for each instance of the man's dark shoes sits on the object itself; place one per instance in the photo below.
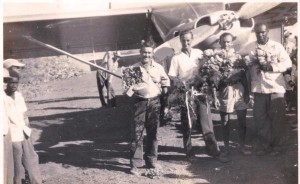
(192, 158)
(223, 157)
(263, 152)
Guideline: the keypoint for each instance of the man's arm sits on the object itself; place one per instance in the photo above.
(216, 100)
(165, 83)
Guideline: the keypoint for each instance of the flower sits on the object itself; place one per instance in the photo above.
(208, 52)
(131, 76)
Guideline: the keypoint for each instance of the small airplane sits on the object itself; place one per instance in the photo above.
(123, 28)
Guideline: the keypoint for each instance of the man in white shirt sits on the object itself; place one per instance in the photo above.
(268, 86)
(8, 162)
(23, 150)
(182, 69)
(147, 95)
(233, 95)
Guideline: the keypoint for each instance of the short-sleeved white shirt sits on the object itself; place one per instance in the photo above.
(15, 108)
(183, 66)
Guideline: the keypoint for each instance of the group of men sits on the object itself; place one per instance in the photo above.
(265, 81)
(18, 148)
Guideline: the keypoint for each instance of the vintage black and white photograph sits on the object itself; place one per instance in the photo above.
(147, 92)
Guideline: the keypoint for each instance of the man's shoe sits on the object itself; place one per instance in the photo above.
(262, 152)
(275, 153)
(151, 164)
(225, 153)
(223, 158)
(192, 158)
(134, 171)
(245, 151)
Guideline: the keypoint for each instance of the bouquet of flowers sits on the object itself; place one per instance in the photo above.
(131, 76)
(259, 58)
(218, 66)
(139, 83)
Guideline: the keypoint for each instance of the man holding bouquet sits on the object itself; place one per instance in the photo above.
(149, 84)
(184, 66)
(233, 91)
(269, 60)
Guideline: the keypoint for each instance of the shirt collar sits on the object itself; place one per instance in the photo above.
(187, 52)
(151, 64)
(263, 44)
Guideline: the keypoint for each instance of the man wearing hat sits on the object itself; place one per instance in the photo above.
(23, 150)
(8, 162)
(13, 66)
(110, 62)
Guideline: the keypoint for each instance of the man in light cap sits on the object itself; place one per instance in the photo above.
(8, 162)
(23, 150)
(13, 66)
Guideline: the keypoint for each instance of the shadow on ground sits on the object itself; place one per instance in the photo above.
(95, 138)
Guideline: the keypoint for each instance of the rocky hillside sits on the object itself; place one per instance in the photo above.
(39, 71)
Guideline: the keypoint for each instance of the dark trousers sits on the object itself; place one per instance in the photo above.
(225, 119)
(8, 161)
(24, 155)
(291, 98)
(205, 120)
(269, 117)
(146, 117)
(103, 83)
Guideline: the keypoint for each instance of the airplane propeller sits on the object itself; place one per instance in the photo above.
(201, 33)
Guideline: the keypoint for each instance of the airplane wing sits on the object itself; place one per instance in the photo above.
(77, 35)
(122, 26)
(90, 27)
(74, 27)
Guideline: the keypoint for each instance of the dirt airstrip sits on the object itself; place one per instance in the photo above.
(80, 142)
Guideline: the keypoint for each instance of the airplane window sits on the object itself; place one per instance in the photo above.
(176, 33)
(203, 21)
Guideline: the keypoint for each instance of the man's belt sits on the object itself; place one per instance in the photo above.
(231, 83)
(147, 99)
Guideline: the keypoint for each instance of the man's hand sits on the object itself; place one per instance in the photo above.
(216, 103)
(246, 99)
(291, 83)
(266, 67)
(251, 101)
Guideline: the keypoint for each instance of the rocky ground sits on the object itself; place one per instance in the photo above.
(80, 142)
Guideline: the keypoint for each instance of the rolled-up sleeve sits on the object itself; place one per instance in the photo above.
(173, 71)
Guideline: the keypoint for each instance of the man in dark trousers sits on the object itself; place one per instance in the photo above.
(268, 87)
(182, 69)
(147, 96)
